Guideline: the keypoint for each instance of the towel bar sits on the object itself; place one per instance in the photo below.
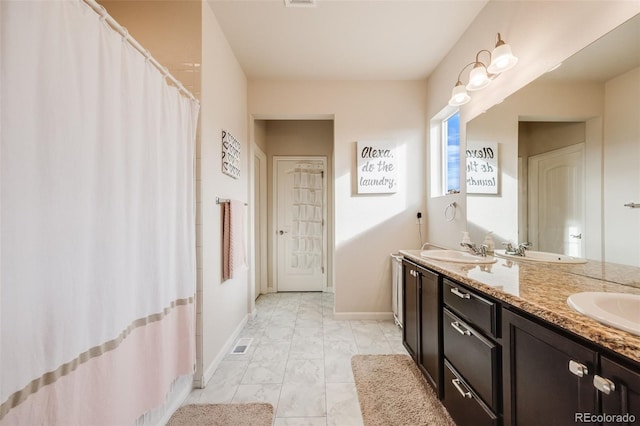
(225, 200)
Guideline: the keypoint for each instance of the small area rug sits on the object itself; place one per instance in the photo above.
(248, 414)
(392, 391)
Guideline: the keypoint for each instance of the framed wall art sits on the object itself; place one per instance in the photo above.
(230, 155)
(377, 167)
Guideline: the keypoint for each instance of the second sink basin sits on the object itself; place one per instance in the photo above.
(457, 256)
(542, 256)
(619, 310)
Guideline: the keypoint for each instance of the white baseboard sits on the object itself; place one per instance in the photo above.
(226, 348)
(363, 315)
(180, 390)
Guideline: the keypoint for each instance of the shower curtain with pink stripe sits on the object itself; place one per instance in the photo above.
(97, 230)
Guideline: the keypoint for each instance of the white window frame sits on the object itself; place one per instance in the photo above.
(438, 152)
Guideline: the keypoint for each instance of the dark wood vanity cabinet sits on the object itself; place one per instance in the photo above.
(421, 322)
(411, 309)
(472, 356)
(548, 378)
(492, 364)
(619, 389)
(553, 379)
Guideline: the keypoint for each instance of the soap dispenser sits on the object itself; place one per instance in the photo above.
(488, 241)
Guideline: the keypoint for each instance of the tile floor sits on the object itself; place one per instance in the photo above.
(300, 361)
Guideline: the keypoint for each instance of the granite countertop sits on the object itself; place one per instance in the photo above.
(542, 290)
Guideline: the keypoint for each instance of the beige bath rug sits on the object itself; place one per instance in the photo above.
(392, 391)
(248, 414)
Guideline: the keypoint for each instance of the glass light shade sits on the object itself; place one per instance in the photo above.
(502, 59)
(459, 95)
(478, 79)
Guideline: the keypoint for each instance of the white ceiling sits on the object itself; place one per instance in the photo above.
(343, 39)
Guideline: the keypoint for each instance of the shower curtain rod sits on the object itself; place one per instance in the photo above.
(100, 10)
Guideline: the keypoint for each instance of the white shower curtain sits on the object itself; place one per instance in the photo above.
(97, 222)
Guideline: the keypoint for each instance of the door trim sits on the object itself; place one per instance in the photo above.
(260, 214)
(274, 208)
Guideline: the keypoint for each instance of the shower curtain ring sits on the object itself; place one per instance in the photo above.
(124, 33)
(102, 12)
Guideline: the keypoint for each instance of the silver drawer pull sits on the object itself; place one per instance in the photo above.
(456, 325)
(460, 294)
(578, 369)
(604, 385)
(458, 384)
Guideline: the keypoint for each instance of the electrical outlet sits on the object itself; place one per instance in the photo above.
(418, 218)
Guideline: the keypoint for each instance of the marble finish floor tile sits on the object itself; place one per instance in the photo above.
(300, 361)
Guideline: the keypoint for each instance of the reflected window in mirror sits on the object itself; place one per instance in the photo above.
(444, 157)
(451, 151)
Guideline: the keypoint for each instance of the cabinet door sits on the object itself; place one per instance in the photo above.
(539, 385)
(429, 358)
(622, 400)
(410, 312)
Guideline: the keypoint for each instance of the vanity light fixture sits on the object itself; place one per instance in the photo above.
(500, 60)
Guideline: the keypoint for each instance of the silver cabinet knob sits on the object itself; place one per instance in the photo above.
(578, 369)
(460, 294)
(603, 384)
(466, 393)
(457, 327)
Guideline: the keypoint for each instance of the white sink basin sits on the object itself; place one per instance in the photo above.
(619, 310)
(542, 256)
(457, 256)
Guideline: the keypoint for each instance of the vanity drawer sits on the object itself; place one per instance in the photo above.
(473, 356)
(472, 307)
(462, 403)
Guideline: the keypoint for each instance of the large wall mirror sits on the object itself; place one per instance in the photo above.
(569, 156)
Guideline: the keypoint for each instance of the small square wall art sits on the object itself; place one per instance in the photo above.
(230, 155)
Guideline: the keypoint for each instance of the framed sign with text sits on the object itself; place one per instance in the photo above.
(482, 167)
(377, 167)
(230, 155)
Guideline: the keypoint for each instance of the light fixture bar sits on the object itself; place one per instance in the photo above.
(500, 60)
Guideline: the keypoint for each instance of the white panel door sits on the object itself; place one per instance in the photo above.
(556, 201)
(299, 206)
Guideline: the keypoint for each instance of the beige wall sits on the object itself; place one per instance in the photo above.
(367, 228)
(538, 137)
(170, 30)
(541, 34)
(225, 305)
(260, 134)
(299, 138)
(622, 168)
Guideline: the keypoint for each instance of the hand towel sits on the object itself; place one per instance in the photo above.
(233, 238)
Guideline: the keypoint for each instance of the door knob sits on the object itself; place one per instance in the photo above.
(281, 232)
(578, 236)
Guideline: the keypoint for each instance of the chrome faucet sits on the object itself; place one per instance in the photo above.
(476, 250)
(516, 251)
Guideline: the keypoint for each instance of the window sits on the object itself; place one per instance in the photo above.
(451, 153)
